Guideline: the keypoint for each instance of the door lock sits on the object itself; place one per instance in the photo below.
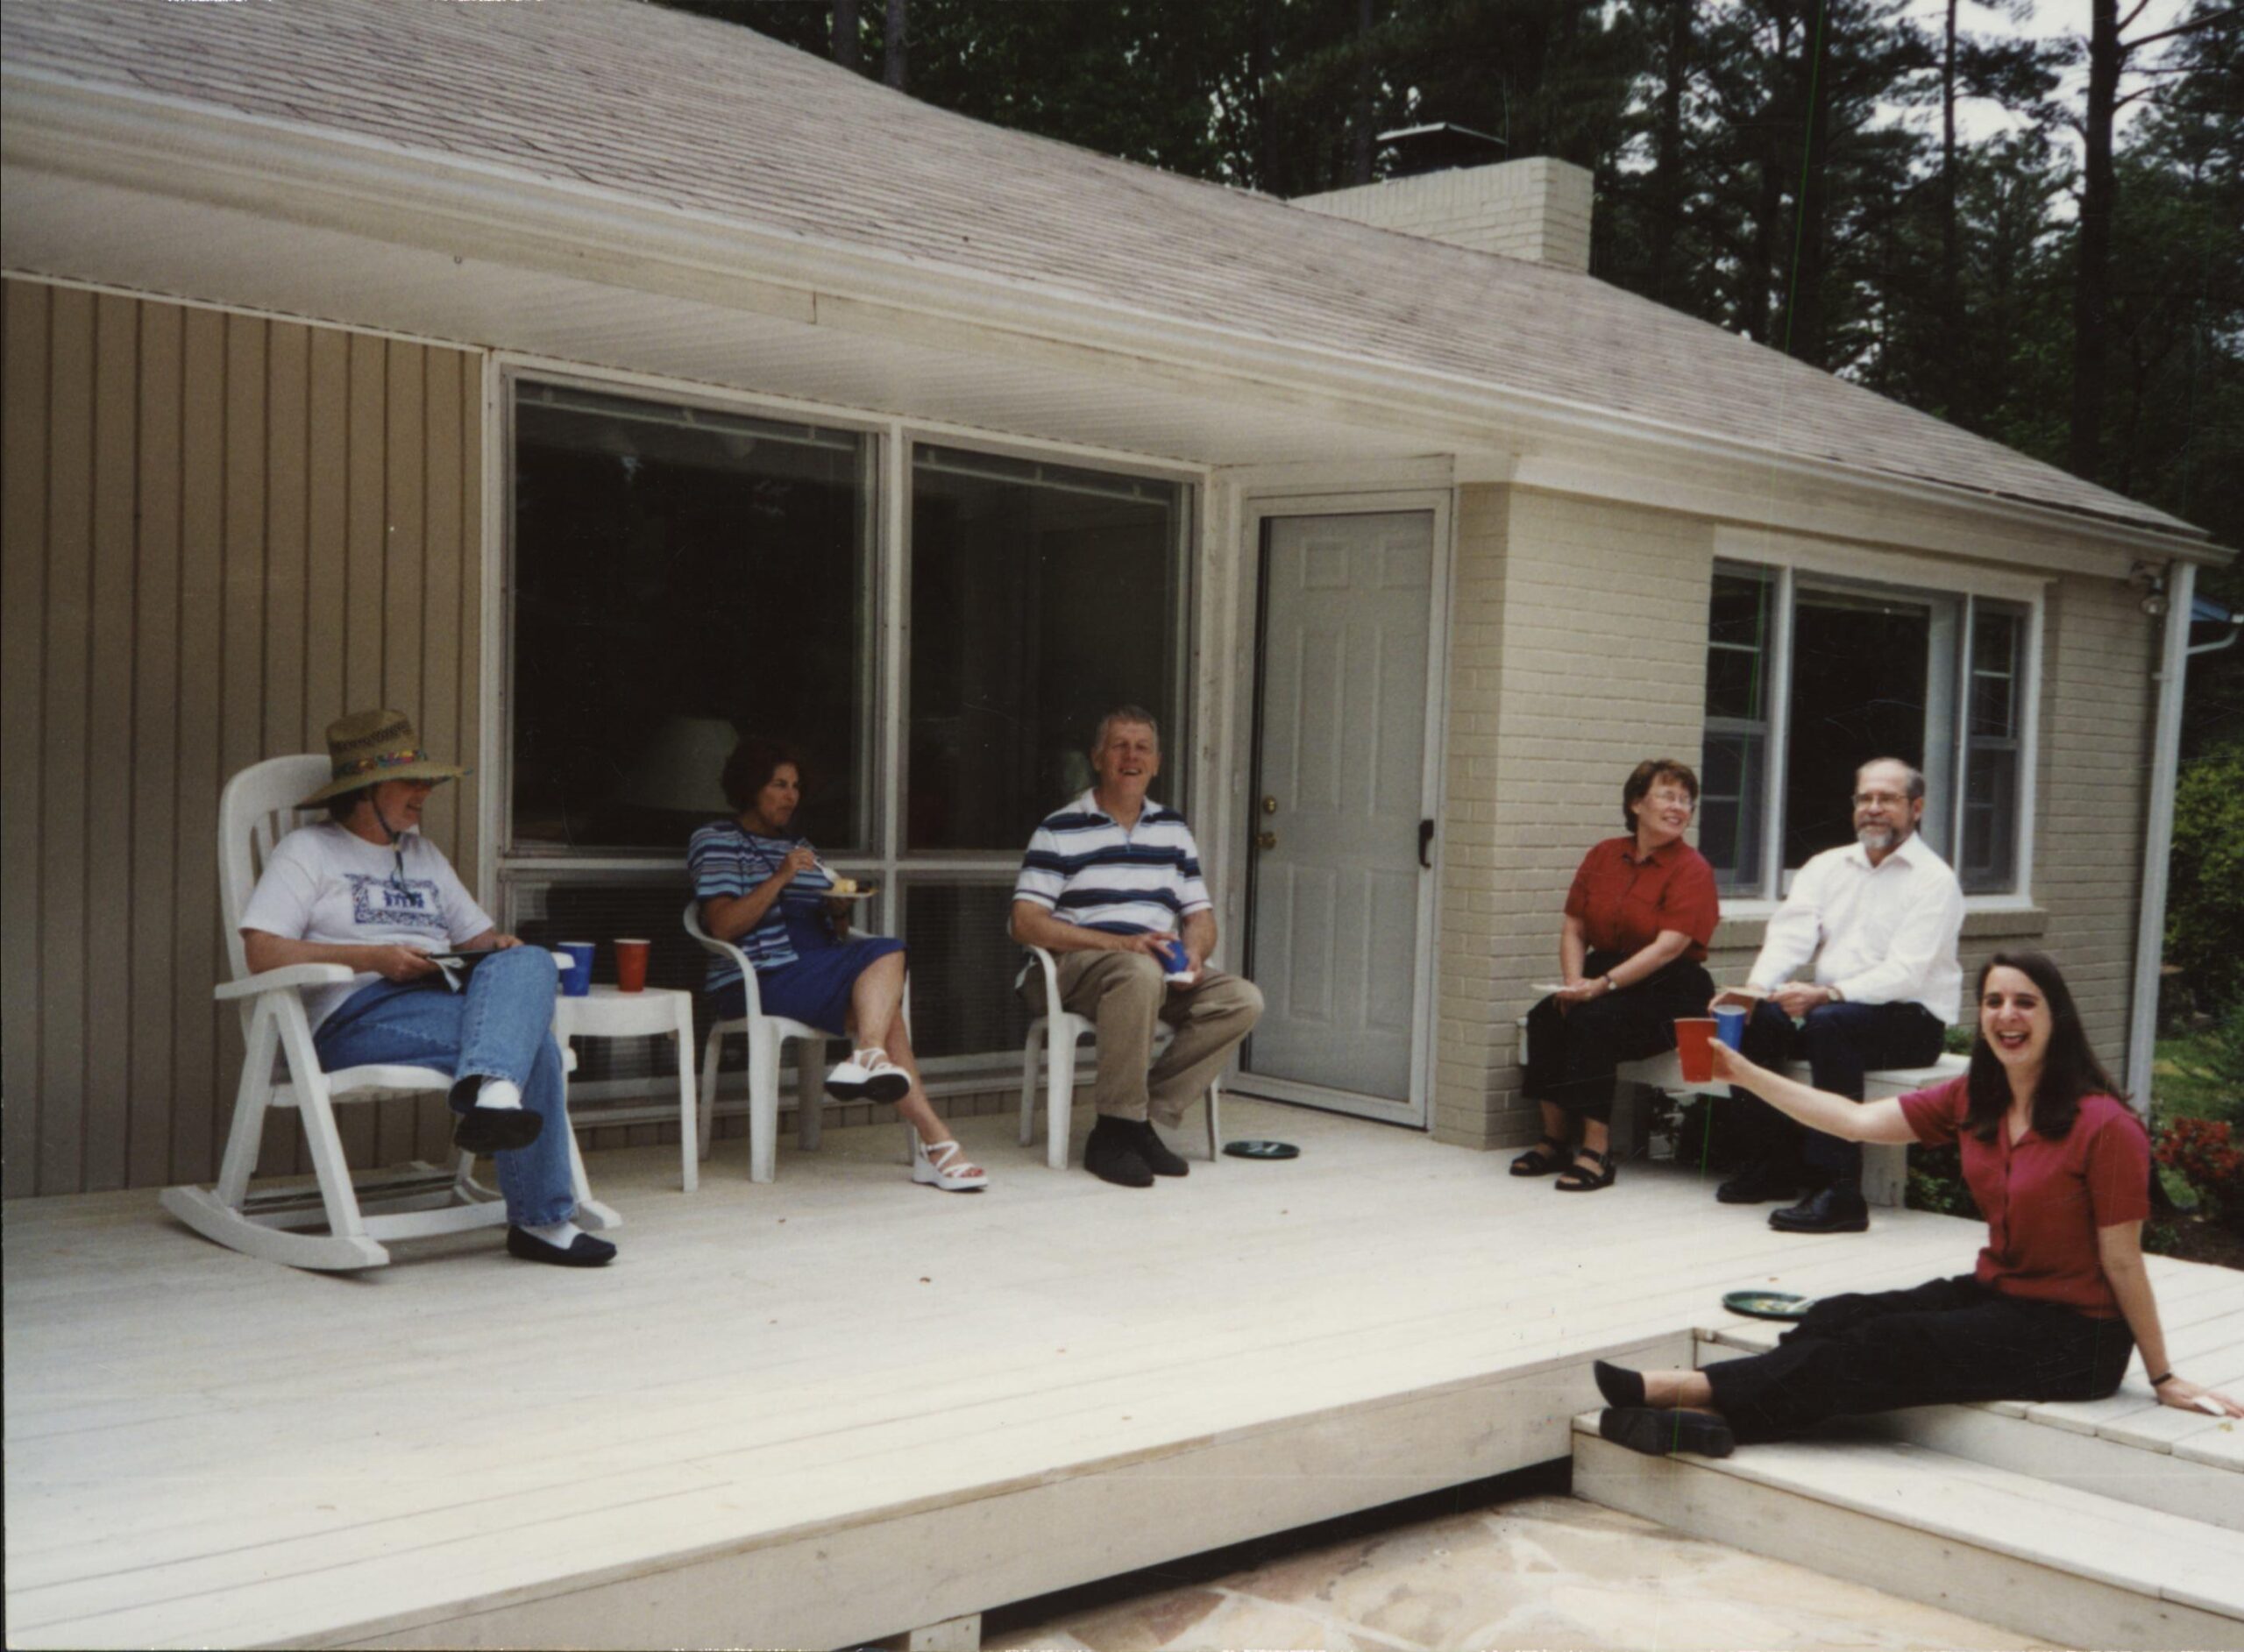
(1266, 840)
(1269, 806)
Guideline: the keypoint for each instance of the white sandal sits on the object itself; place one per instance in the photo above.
(868, 1075)
(945, 1165)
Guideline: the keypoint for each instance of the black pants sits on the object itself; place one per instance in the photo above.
(1571, 1056)
(1943, 1343)
(1840, 1042)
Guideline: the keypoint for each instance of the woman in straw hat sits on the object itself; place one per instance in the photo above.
(365, 890)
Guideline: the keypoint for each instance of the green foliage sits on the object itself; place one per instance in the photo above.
(1937, 1183)
(2204, 903)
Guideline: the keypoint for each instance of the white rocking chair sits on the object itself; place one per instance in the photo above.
(258, 808)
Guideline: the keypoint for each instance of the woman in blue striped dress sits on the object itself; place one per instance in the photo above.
(761, 888)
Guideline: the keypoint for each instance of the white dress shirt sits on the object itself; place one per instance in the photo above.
(1880, 934)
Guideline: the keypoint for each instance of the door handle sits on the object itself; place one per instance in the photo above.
(1266, 840)
(1425, 843)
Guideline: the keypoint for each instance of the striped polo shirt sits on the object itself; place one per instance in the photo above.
(1084, 869)
(725, 860)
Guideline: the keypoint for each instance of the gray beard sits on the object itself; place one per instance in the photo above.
(1879, 838)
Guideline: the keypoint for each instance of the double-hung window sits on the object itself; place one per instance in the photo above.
(681, 574)
(1809, 676)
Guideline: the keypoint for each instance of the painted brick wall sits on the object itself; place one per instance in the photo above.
(1579, 649)
(1537, 209)
(1585, 623)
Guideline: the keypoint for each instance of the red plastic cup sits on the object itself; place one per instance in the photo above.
(631, 966)
(1694, 1042)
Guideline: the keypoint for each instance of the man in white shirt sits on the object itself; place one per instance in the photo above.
(1880, 917)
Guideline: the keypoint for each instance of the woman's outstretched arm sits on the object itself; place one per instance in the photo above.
(1819, 1109)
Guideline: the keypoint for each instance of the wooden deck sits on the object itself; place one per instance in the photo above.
(830, 1408)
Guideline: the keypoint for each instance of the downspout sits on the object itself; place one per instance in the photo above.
(2158, 834)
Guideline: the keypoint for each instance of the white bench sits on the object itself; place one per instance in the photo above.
(1885, 1167)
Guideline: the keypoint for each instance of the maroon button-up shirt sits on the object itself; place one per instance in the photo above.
(2044, 1200)
(1625, 902)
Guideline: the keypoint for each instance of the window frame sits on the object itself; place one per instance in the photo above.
(1790, 563)
(502, 868)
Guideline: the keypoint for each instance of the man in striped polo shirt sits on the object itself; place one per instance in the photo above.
(1106, 883)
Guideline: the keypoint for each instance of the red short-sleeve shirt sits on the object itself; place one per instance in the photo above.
(2044, 1200)
(1623, 903)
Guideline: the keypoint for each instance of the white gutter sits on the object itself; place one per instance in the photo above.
(2158, 835)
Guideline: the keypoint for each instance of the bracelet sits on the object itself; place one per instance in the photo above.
(1611, 985)
(2161, 1381)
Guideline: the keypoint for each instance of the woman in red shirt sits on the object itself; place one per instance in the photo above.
(1632, 952)
(2059, 1302)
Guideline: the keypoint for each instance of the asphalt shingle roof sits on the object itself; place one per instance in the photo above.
(664, 107)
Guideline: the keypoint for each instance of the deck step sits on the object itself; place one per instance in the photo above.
(2074, 1567)
(2126, 1446)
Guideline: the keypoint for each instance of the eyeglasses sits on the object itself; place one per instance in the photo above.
(1868, 799)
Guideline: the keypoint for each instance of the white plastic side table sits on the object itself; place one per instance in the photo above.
(610, 1012)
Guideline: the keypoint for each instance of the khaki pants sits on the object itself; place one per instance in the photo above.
(1123, 994)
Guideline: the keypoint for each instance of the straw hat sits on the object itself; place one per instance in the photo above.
(368, 747)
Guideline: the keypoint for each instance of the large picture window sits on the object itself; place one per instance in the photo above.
(1807, 677)
(1041, 596)
(682, 574)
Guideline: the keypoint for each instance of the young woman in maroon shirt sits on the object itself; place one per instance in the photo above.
(2060, 1299)
(1633, 951)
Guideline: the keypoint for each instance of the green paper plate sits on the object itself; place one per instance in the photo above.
(1261, 1150)
(1768, 1304)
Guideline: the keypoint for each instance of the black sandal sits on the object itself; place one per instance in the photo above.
(1574, 1179)
(1536, 1162)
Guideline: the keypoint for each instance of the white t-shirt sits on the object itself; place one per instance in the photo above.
(326, 884)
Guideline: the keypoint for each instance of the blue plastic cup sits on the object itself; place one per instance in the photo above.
(1729, 1025)
(577, 979)
(1178, 961)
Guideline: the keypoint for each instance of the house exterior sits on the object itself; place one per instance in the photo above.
(592, 382)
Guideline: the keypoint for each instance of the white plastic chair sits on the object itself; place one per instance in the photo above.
(258, 808)
(1064, 1030)
(766, 1033)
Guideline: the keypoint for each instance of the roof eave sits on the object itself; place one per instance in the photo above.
(189, 149)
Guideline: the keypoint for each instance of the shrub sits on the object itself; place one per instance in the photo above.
(2203, 1153)
(2205, 903)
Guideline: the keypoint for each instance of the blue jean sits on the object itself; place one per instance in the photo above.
(501, 1026)
(1840, 1042)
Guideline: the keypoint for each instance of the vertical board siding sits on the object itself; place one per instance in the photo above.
(219, 533)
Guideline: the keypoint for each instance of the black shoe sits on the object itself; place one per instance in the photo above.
(496, 1130)
(1112, 1153)
(1837, 1208)
(1156, 1153)
(1658, 1433)
(1758, 1183)
(584, 1250)
(1620, 1385)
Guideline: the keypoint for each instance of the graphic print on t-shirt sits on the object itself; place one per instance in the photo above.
(376, 902)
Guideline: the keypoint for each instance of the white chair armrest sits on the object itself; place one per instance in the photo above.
(1051, 968)
(288, 979)
(754, 1004)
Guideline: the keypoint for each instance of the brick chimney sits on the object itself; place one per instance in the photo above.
(1536, 209)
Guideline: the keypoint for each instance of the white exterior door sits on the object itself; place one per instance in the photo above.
(1336, 810)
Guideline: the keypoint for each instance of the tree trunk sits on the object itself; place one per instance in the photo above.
(847, 49)
(1803, 333)
(892, 65)
(1668, 187)
(1953, 376)
(1359, 134)
(1755, 306)
(2091, 278)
